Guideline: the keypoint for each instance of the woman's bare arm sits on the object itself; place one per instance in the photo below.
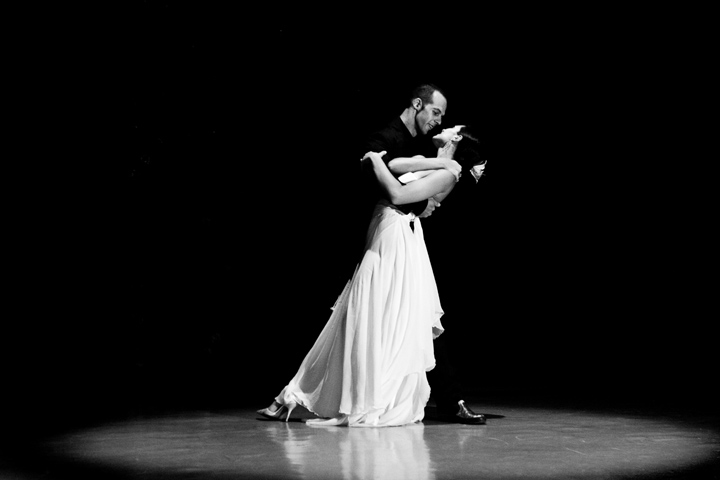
(401, 165)
(422, 174)
(435, 183)
(440, 197)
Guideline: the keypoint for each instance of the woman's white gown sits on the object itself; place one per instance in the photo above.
(368, 366)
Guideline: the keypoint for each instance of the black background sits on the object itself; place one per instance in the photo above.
(193, 260)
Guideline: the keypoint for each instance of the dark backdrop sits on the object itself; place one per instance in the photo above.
(198, 258)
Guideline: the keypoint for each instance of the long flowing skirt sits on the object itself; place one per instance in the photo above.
(368, 366)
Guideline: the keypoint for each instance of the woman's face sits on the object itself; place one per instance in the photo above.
(446, 135)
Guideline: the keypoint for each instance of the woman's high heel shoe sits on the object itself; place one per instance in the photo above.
(280, 409)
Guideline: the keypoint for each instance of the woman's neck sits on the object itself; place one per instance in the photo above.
(447, 150)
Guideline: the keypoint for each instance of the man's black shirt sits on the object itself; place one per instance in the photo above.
(397, 141)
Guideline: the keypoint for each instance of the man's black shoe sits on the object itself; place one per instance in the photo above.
(465, 415)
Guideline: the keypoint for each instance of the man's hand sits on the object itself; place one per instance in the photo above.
(454, 167)
(432, 204)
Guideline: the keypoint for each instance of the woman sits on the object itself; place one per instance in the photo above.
(368, 366)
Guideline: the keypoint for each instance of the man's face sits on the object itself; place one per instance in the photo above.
(430, 115)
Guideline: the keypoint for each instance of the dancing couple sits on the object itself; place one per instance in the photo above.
(368, 366)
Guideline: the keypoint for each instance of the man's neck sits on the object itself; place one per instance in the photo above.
(408, 118)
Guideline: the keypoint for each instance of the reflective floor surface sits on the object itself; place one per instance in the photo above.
(518, 441)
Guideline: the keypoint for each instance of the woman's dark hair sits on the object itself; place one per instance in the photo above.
(468, 152)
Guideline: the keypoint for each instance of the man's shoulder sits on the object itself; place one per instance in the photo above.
(389, 134)
(386, 134)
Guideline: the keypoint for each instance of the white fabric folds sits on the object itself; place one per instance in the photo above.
(368, 366)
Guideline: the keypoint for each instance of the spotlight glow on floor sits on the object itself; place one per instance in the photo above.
(527, 442)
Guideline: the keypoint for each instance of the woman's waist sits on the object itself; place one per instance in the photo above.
(417, 207)
(384, 206)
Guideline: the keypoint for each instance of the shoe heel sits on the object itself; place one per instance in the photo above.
(290, 408)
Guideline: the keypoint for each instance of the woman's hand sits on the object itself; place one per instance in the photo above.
(374, 156)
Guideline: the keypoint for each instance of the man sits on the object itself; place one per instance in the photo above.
(402, 139)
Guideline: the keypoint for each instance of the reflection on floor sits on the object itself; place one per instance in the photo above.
(519, 441)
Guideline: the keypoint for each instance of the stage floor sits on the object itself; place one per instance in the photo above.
(519, 441)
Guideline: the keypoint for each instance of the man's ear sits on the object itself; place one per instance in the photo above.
(457, 138)
(417, 104)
